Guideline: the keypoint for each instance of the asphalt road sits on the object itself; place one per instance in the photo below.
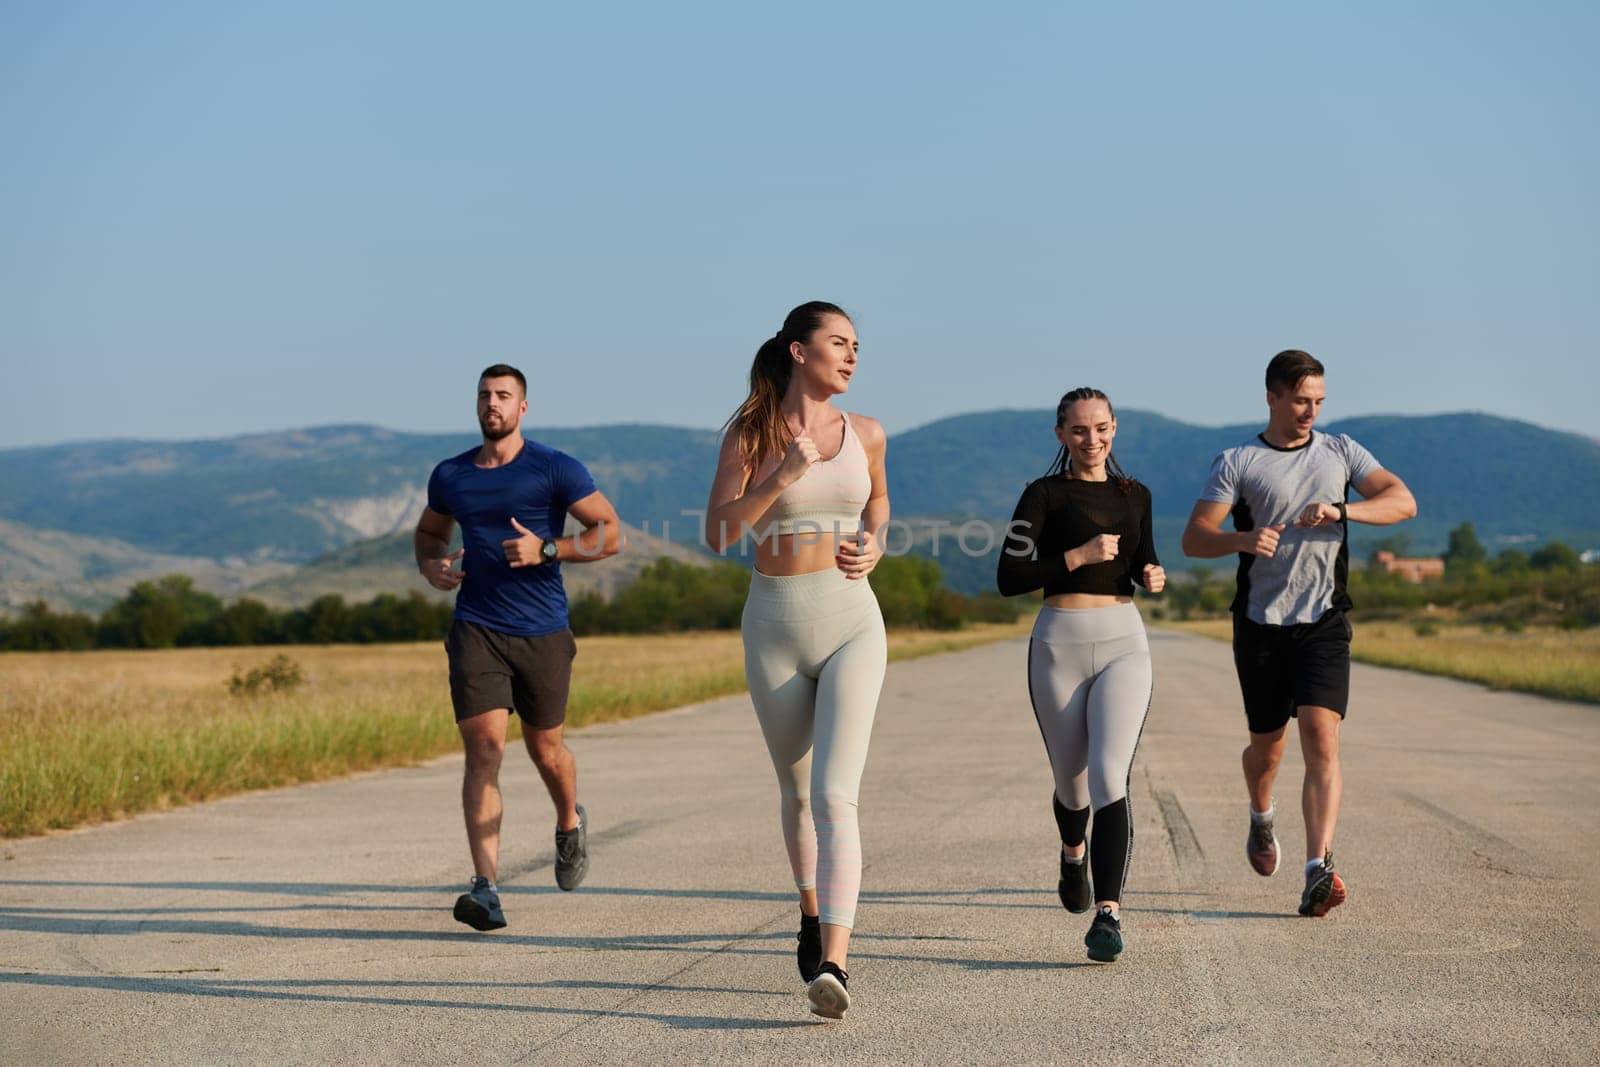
(313, 924)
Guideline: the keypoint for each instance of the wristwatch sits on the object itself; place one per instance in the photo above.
(1344, 514)
(549, 551)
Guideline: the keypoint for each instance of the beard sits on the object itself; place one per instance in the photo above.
(497, 431)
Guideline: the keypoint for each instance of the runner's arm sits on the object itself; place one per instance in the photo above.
(1385, 500)
(736, 504)
(432, 537)
(876, 443)
(602, 531)
(1204, 537)
(1145, 554)
(1017, 571)
(431, 543)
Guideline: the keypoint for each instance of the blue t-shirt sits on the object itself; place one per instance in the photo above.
(537, 487)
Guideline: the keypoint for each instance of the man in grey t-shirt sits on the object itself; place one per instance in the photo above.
(1287, 490)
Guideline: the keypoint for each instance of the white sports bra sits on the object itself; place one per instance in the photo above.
(830, 494)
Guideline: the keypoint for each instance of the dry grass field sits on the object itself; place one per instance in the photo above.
(90, 736)
(1547, 661)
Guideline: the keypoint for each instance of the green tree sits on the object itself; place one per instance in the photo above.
(668, 595)
(1555, 556)
(246, 622)
(1464, 546)
(1510, 561)
(387, 617)
(324, 621)
(908, 589)
(42, 630)
(159, 614)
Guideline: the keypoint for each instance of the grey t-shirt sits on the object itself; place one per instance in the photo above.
(1266, 486)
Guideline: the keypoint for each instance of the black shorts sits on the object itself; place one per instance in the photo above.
(529, 675)
(1282, 668)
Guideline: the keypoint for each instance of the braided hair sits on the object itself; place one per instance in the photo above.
(1063, 460)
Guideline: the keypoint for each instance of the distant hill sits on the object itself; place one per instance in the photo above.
(80, 573)
(387, 564)
(294, 496)
(291, 498)
(1516, 482)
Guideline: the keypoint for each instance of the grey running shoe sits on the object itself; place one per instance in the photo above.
(479, 906)
(1262, 847)
(828, 992)
(1073, 888)
(572, 853)
(1324, 890)
(1104, 938)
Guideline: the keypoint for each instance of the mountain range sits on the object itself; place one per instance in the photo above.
(81, 521)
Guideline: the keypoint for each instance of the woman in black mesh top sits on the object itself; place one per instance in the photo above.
(1082, 534)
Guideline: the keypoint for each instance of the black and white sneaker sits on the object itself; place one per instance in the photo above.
(809, 953)
(479, 906)
(1104, 938)
(1074, 890)
(828, 992)
(572, 853)
(1324, 889)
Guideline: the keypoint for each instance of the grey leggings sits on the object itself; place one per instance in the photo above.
(1090, 681)
(814, 658)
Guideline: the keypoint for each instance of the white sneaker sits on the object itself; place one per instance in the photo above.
(827, 992)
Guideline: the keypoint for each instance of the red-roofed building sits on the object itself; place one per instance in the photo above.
(1416, 570)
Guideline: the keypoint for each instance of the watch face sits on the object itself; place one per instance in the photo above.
(549, 550)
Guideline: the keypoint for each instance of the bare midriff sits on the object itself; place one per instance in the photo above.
(783, 555)
(1085, 600)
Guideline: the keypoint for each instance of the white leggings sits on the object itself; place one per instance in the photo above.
(814, 656)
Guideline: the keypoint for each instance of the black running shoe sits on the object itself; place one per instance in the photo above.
(809, 954)
(572, 853)
(828, 992)
(1073, 889)
(479, 906)
(1104, 938)
(1324, 890)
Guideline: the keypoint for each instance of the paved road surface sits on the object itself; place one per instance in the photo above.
(313, 924)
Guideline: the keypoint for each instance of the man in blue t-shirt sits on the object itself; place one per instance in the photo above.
(1287, 490)
(509, 647)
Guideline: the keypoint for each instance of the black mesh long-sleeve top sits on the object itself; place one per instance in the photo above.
(1057, 513)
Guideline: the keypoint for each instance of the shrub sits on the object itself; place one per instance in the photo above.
(278, 675)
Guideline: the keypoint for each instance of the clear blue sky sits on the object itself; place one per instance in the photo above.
(219, 218)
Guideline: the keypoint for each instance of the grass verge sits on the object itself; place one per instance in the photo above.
(91, 736)
(1547, 661)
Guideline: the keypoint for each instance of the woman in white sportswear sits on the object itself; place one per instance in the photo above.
(808, 481)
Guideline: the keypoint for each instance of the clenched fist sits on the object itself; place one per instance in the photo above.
(802, 453)
(1318, 515)
(1095, 550)
(1262, 542)
(1155, 577)
(438, 571)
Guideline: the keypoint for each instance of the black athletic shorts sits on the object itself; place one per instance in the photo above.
(1282, 668)
(529, 675)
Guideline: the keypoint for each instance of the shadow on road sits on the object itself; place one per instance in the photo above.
(1212, 915)
(273, 990)
(52, 922)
